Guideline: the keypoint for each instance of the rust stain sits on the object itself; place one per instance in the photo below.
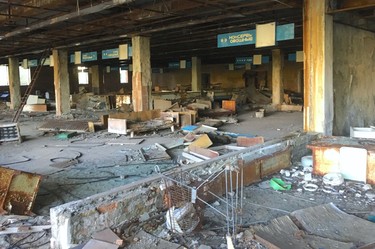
(106, 208)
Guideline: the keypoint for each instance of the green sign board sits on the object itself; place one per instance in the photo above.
(248, 37)
(243, 60)
(236, 39)
(33, 63)
(110, 53)
(89, 56)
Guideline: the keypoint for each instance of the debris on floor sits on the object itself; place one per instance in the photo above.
(323, 226)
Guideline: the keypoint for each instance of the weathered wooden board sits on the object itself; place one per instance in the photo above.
(330, 222)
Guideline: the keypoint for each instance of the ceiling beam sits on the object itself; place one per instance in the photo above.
(347, 5)
(81, 13)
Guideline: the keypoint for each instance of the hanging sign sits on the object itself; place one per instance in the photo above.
(89, 56)
(110, 53)
(236, 39)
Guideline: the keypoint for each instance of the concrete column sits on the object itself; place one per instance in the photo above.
(277, 78)
(95, 79)
(14, 83)
(318, 62)
(196, 74)
(141, 82)
(61, 81)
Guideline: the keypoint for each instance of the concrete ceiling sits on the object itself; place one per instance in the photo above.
(178, 28)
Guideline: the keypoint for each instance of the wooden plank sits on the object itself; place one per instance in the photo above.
(35, 108)
(337, 224)
(104, 120)
(291, 108)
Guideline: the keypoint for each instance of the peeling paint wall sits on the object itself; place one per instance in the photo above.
(353, 78)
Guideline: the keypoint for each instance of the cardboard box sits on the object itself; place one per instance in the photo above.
(116, 125)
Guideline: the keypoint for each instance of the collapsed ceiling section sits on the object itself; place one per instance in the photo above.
(178, 28)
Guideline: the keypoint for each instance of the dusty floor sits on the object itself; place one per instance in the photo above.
(102, 166)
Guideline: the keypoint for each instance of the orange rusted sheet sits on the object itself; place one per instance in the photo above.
(18, 191)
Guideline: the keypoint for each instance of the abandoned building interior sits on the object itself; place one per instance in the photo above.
(187, 124)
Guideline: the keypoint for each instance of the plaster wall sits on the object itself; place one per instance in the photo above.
(353, 78)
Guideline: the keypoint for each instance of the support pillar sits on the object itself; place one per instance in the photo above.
(318, 62)
(277, 78)
(14, 83)
(196, 74)
(95, 79)
(61, 81)
(141, 82)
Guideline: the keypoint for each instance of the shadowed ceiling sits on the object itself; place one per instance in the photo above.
(178, 29)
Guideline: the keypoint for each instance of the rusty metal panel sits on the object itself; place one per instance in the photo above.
(325, 159)
(22, 192)
(251, 172)
(6, 176)
(371, 167)
(275, 162)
